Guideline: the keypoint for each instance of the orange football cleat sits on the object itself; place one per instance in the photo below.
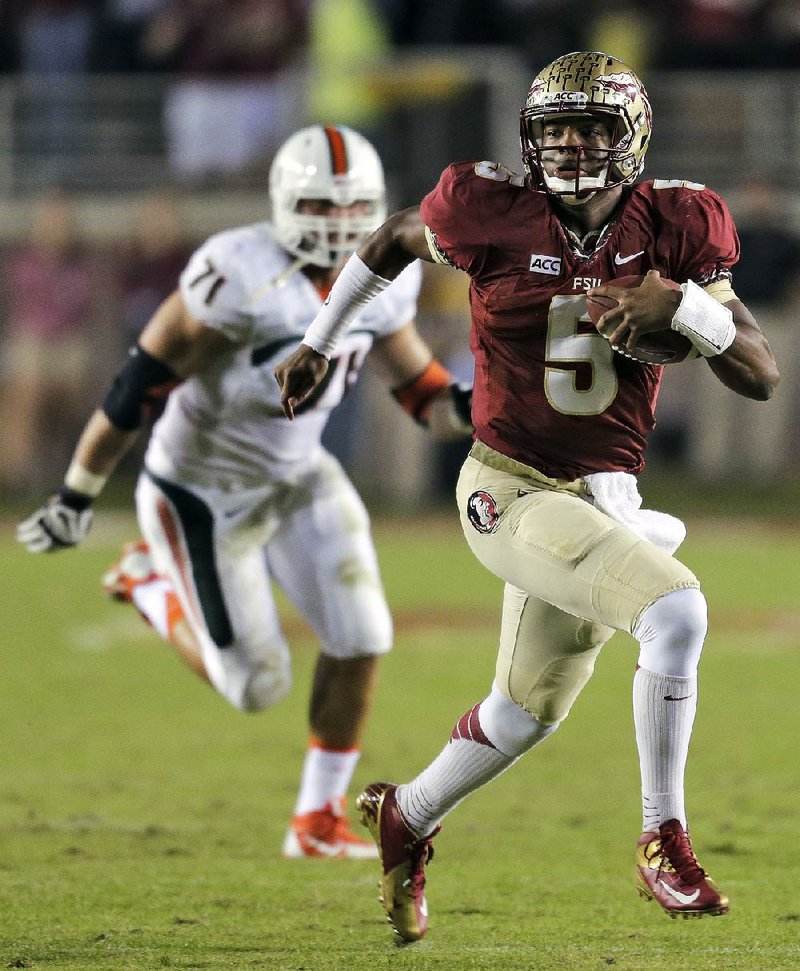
(326, 833)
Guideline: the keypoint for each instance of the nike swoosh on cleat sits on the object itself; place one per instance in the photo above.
(682, 898)
(622, 260)
(324, 849)
(672, 698)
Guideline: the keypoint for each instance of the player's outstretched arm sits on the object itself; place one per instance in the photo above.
(399, 241)
(381, 258)
(171, 347)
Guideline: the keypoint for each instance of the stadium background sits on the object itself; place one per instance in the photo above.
(156, 121)
(139, 816)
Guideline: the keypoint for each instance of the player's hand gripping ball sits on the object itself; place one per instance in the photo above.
(655, 347)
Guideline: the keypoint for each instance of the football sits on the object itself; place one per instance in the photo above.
(658, 347)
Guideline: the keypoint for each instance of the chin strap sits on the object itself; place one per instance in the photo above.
(567, 189)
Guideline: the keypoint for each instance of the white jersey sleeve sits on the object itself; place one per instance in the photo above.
(214, 288)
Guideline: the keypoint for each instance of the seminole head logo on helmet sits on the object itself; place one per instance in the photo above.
(599, 86)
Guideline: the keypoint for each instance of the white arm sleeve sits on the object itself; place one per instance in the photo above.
(355, 286)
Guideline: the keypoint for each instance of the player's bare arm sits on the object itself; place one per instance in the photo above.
(396, 243)
(172, 338)
(748, 366)
(399, 357)
(384, 255)
(173, 346)
(421, 385)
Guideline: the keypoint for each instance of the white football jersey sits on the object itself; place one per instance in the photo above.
(224, 428)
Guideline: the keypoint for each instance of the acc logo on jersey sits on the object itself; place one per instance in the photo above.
(482, 511)
(551, 265)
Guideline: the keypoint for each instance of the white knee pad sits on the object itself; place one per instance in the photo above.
(249, 685)
(671, 633)
(264, 688)
(359, 626)
(511, 729)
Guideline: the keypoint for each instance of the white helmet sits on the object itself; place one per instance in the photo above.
(331, 163)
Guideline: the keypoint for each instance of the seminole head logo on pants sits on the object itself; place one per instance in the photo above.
(482, 511)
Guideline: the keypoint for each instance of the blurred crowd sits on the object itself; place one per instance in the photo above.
(70, 308)
(258, 38)
(249, 67)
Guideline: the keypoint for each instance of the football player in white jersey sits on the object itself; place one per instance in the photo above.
(231, 489)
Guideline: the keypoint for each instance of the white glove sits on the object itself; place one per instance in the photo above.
(55, 526)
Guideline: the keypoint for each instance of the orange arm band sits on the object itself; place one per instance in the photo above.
(415, 396)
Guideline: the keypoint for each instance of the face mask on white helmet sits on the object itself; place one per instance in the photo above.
(333, 165)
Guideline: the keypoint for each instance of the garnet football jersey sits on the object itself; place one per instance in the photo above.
(549, 390)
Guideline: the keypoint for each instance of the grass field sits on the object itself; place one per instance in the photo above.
(141, 818)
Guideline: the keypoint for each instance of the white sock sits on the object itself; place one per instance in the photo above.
(150, 599)
(663, 712)
(468, 761)
(326, 777)
(462, 767)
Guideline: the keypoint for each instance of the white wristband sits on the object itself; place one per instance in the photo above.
(705, 321)
(355, 286)
(82, 480)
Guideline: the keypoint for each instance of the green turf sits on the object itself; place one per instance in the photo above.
(141, 818)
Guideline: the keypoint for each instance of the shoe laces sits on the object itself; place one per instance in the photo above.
(420, 853)
(676, 848)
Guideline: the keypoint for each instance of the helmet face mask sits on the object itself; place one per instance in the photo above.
(327, 192)
(587, 85)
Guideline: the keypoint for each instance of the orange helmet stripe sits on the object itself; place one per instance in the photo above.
(338, 151)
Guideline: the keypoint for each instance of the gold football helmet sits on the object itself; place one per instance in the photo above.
(597, 84)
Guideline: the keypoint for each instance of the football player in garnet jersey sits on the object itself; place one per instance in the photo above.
(548, 495)
(231, 490)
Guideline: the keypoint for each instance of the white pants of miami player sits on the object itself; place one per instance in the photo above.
(222, 550)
